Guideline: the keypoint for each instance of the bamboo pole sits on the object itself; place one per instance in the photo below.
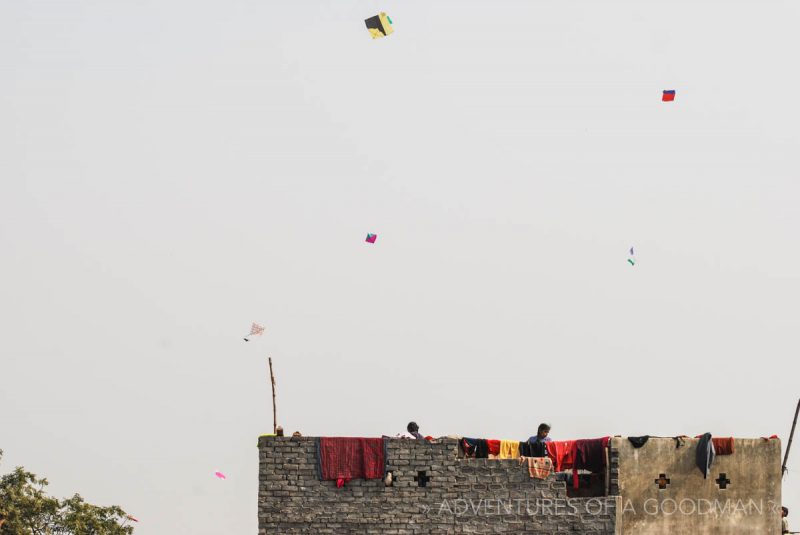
(791, 436)
(274, 411)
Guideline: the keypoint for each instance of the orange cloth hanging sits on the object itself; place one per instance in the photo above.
(538, 467)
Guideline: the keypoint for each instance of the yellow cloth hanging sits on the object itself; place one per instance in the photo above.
(509, 449)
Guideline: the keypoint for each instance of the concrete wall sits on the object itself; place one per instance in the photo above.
(462, 496)
(690, 504)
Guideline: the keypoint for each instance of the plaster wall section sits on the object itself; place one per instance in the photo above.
(742, 494)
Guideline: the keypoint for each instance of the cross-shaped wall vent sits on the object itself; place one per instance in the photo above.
(662, 481)
(421, 479)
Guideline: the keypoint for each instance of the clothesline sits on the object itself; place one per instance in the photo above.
(345, 458)
(582, 454)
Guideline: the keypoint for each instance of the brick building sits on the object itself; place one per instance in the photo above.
(655, 489)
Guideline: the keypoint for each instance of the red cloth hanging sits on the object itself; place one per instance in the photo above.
(560, 451)
(494, 447)
(589, 454)
(344, 458)
(723, 445)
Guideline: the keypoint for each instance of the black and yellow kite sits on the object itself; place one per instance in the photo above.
(379, 26)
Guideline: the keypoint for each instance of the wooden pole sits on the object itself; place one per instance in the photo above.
(274, 411)
(791, 436)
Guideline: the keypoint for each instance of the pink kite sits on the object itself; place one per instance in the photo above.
(371, 238)
(220, 475)
(255, 330)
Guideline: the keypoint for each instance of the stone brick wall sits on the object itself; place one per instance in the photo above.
(459, 496)
(613, 468)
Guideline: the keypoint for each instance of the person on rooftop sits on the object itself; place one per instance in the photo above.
(541, 434)
(538, 443)
(784, 522)
(413, 430)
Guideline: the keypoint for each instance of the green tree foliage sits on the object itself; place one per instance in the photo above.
(27, 509)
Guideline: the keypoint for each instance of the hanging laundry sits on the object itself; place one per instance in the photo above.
(704, 456)
(538, 448)
(509, 449)
(379, 26)
(723, 445)
(351, 458)
(469, 445)
(589, 454)
(494, 447)
(482, 449)
(255, 330)
(668, 96)
(476, 447)
(638, 442)
(560, 451)
(538, 467)
(371, 238)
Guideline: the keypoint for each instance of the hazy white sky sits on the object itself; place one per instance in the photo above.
(173, 170)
